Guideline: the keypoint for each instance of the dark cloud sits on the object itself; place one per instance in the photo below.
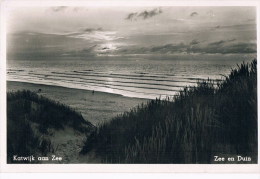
(225, 47)
(221, 42)
(131, 16)
(59, 8)
(85, 30)
(148, 14)
(236, 27)
(240, 48)
(92, 29)
(164, 49)
(170, 48)
(144, 14)
(218, 42)
(193, 14)
(240, 27)
(221, 47)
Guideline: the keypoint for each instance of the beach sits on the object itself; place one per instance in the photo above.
(95, 107)
(149, 84)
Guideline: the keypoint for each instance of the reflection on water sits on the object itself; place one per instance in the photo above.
(142, 77)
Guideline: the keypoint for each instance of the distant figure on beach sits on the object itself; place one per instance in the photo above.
(93, 92)
(39, 90)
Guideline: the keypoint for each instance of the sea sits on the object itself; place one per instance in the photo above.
(139, 76)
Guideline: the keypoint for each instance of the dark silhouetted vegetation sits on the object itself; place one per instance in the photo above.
(199, 123)
(29, 116)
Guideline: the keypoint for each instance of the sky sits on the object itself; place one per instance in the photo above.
(100, 31)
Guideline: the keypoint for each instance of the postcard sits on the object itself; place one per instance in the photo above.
(117, 86)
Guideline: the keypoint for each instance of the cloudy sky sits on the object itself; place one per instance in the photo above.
(92, 31)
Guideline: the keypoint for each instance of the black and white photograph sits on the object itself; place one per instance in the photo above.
(131, 84)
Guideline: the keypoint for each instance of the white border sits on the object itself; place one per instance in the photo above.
(112, 168)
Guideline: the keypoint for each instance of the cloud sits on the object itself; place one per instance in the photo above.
(95, 34)
(98, 49)
(90, 30)
(148, 14)
(169, 48)
(91, 34)
(220, 47)
(144, 14)
(224, 47)
(163, 49)
(221, 42)
(218, 43)
(240, 48)
(131, 16)
(193, 14)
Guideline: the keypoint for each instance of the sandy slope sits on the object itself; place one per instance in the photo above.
(95, 107)
(67, 144)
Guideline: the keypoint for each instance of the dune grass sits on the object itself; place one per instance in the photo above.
(29, 116)
(199, 123)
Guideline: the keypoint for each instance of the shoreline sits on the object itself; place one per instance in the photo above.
(7, 81)
(95, 107)
(128, 96)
